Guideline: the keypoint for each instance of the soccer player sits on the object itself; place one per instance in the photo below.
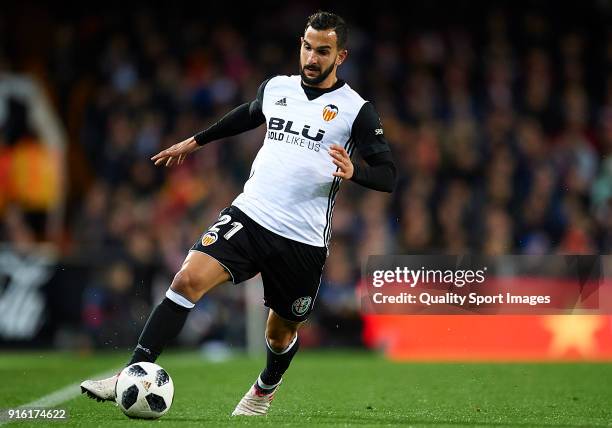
(280, 225)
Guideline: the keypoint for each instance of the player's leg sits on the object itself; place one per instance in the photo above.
(281, 345)
(215, 258)
(198, 274)
(291, 281)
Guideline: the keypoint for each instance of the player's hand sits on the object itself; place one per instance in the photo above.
(343, 161)
(176, 154)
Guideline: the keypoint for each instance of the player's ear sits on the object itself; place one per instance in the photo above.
(341, 56)
(301, 40)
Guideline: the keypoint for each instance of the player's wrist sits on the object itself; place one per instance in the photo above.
(193, 143)
(355, 173)
(200, 138)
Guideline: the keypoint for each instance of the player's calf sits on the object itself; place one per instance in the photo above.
(282, 344)
(198, 274)
(257, 400)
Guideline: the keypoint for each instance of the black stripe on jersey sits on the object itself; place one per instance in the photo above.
(350, 149)
(330, 196)
(328, 211)
(349, 146)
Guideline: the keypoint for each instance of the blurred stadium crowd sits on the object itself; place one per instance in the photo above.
(499, 117)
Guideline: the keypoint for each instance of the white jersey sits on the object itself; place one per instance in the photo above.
(291, 190)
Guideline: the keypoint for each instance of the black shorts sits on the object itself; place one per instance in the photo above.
(290, 270)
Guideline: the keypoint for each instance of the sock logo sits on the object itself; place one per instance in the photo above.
(147, 350)
(300, 306)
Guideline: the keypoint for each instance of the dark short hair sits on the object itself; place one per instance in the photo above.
(329, 21)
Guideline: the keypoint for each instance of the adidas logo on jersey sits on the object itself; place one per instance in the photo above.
(281, 102)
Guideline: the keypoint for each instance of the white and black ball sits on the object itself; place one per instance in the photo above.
(144, 390)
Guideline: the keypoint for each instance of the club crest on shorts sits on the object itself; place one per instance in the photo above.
(329, 112)
(300, 306)
(209, 238)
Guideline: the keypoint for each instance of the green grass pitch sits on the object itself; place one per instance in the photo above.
(333, 389)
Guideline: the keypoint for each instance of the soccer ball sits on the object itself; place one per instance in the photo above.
(144, 390)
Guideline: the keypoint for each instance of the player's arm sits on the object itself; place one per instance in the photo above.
(367, 132)
(243, 118)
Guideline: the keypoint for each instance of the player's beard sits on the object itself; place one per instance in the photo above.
(321, 77)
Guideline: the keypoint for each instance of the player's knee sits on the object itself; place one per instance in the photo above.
(278, 341)
(186, 285)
